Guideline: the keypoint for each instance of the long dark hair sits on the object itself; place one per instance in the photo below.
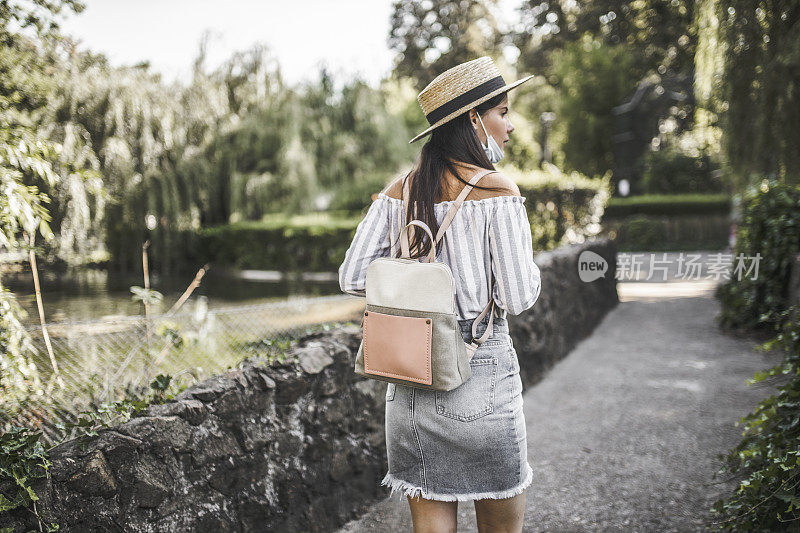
(452, 142)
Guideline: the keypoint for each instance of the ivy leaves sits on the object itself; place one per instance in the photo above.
(22, 460)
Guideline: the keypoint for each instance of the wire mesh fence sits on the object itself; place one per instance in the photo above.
(105, 360)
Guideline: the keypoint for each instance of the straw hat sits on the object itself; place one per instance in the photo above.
(459, 89)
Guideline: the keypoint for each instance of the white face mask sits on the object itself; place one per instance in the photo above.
(493, 151)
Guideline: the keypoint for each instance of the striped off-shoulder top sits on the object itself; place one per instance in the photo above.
(489, 234)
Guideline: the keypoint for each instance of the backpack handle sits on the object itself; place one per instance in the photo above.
(404, 241)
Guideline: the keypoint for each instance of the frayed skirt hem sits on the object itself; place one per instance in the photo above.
(409, 489)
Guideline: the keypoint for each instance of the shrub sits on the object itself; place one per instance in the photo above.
(643, 232)
(672, 171)
(768, 456)
(770, 227)
(562, 208)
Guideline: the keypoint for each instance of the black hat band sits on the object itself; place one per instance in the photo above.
(464, 99)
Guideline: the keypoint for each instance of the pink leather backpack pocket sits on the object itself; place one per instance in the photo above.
(398, 346)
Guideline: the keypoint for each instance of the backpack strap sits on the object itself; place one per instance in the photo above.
(451, 213)
(473, 345)
(406, 253)
(404, 195)
(448, 218)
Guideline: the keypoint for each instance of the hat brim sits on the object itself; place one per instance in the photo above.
(469, 106)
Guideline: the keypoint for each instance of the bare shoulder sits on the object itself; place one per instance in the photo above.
(498, 179)
(395, 188)
(500, 184)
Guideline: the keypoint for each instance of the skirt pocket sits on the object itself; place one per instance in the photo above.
(475, 397)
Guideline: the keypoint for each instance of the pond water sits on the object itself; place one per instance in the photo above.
(88, 294)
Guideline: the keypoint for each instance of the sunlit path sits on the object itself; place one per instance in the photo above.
(623, 433)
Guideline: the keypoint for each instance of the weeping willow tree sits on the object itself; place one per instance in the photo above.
(709, 63)
(357, 138)
(760, 89)
(234, 144)
(166, 156)
(133, 131)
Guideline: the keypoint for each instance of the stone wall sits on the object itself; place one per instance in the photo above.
(292, 447)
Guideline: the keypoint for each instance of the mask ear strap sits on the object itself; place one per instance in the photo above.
(484, 128)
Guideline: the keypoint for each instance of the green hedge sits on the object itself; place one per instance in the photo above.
(771, 227)
(638, 233)
(668, 204)
(560, 207)
(311, 244)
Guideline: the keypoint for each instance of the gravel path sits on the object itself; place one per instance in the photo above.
(623, 434)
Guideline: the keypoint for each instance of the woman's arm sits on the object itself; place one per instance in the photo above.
(370, 241)
(517, 279)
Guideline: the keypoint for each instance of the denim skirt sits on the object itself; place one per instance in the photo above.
(465, 444)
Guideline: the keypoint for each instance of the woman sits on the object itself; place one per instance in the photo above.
(468, 443)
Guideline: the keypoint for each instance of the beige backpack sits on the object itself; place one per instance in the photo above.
(411, 334)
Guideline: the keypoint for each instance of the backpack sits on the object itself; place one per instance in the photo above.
(410, 331)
